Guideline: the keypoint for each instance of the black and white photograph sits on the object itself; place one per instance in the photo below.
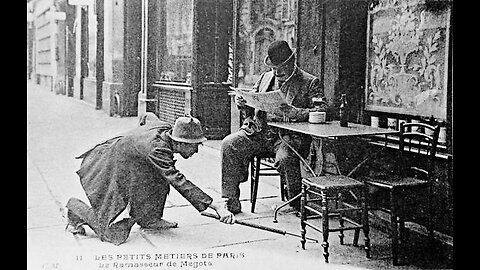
(240, 134)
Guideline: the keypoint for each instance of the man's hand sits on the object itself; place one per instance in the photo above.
(225, 215)
(288, 110)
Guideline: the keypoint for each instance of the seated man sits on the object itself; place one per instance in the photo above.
(255, 136)
(130, 175)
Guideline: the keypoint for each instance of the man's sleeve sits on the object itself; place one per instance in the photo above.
(314, 90)
(162, 159)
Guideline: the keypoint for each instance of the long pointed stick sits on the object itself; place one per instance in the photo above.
(257, 226)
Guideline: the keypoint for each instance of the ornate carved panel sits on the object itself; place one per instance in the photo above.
(407, 68)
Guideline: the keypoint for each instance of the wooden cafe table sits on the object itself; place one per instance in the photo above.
(330, 130)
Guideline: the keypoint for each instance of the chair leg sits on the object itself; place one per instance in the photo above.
(402, 238)
(401, 212)
(325, 226)
(255, 185)
(394, 228)
(401, 229)
(365, 223)
(339, 204)
(252, 177)
(303, 216)
(430, 216)
(282, 187)
(356, 235)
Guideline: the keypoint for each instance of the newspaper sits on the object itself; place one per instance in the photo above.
(267, 101)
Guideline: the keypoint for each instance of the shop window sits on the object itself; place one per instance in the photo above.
(259, 24)
(262, 39)
(175, 59)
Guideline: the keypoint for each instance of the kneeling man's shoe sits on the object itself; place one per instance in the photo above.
(75, 229)
(160, 224)
(74, 224)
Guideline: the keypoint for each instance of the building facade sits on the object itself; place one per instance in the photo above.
(46, 44)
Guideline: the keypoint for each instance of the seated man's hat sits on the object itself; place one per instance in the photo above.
(278, 53)
(187, 129)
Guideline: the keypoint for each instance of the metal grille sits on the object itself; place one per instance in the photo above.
(171, 105)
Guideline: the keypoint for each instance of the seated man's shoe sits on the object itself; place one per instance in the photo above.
(295, 205)
(118, 232)
(233, 205)
(160, 224)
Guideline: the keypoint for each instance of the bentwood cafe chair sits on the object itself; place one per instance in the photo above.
(262, 165)
(408, 181)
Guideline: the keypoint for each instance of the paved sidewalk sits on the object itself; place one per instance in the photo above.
(60, 128)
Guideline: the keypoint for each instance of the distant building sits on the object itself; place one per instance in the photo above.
(46, 44)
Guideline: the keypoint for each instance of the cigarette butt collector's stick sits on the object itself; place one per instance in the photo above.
(257, 226)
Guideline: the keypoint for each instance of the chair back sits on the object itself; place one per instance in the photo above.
(420, 139)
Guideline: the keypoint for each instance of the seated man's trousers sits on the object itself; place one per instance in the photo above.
(237, 150)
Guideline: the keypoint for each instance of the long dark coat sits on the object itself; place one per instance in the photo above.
(135, 167)
(257, 137)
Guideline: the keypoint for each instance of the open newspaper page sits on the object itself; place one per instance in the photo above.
(267, 101)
